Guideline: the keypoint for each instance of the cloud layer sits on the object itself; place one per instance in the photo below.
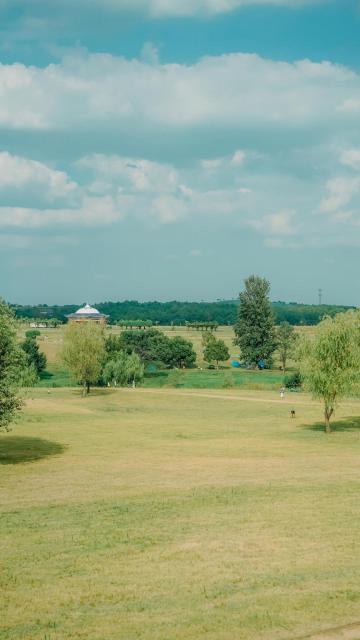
(239, 90)
(284, 142)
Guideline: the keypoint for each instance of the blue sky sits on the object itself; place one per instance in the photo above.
(161, 149)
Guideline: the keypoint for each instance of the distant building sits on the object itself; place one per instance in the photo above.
(87, 314)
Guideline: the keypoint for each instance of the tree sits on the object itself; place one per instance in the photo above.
(180, 353)
(134, 369)
(11, 364)
(84, 352)
(329, 364)
(34, 356)
(215, 350)
(153, 345)
(123, 369)
(254, 329)
(286, 338)
(115, 370)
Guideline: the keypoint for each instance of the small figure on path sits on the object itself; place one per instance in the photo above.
(292, 413)
(282, 392)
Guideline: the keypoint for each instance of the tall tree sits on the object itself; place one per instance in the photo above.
(329, 364)
(84, 352)
(11, 366)
(254, 329)
(286, 339)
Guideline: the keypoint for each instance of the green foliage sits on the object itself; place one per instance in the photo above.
(330, 362)
(254, 329)
(135, 324)
(285, 340)
(84, 352)
(293, 381)
(32, 333)
(35, 357)
(215, 350)
(180, 353)
(124, 369)
(11, 366)
(152, 345)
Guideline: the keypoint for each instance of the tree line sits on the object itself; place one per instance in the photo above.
(221, 312)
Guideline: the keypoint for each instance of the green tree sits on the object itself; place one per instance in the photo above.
(123, 369)
(115, 370)
(11, 365)
(215, 350)
(84, 352)
(180, 353)
(329, 364)
(153, 345)
(254, 329)
(134, 368)
(286, 339)
(34, 356)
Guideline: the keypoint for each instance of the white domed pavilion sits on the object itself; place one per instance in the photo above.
(87, 314)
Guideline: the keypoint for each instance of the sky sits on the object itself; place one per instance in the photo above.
(167, 149)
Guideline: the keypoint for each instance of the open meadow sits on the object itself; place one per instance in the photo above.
(165, 514)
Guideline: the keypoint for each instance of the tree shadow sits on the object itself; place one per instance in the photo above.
(19, 449)
(346, 424)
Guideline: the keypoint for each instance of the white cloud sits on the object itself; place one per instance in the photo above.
(351, 158)
(93, 211)
(113, 94)
(23, 174)
(238, 157)
(281, 223)
(135, 174)
(213, 164)
(340, 192)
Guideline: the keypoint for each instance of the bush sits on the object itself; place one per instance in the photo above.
(32, 333)
(293, 381)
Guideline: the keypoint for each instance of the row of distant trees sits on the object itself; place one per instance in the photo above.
(181, 313)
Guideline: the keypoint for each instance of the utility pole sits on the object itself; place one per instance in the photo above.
(320, 292)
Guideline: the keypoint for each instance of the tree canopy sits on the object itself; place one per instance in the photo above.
(84, 352)
(329, 364)
(254, 329)
(11, 367)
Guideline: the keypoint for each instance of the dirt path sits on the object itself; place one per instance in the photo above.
(347, 632)
(225, 396)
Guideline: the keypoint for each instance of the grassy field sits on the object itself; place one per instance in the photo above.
(165, 514)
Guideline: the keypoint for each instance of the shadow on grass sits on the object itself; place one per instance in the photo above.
(18, 449)
(346, 424)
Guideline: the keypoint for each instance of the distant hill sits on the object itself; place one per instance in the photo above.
(177, 313)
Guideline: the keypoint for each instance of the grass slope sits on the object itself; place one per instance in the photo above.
(158, 514)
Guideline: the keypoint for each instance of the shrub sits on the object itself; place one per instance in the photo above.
(293, 381)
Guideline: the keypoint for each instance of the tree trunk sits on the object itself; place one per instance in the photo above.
(87, 388)
(328, 414)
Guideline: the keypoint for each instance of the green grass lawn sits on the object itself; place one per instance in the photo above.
(56, 375)
(172, 514)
